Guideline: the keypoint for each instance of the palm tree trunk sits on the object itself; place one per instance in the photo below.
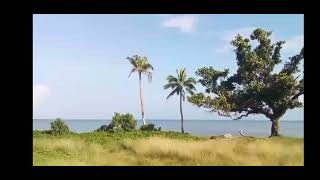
(141, 100)
(181, 113)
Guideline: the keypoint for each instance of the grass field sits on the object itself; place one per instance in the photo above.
(163, 148)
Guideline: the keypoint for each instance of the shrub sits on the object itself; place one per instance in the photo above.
(59, 127)
(103, 128)
(120, 122)
(124, 122)
(149, 127)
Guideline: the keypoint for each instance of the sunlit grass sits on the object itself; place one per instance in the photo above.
(83, 149)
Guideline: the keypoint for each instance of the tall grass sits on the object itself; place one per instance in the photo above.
(238, 151)
(66, 152)
(87, 149)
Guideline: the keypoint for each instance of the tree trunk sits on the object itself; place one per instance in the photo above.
(275, 129)
(141, 100)
(181, 113)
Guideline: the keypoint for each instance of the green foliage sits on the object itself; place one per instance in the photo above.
(124, 122)
(141, 65)
(103, 128)
(211, 83)
(162, 148)
(180, 84)
(120, 122)
(149, 127)
(110, 137)
(254, 88)
(58, 127)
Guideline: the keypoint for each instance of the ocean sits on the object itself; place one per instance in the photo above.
(259, 128)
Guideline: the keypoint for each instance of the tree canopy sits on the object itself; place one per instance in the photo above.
(180, 84)
(141, 65)
(255, 88)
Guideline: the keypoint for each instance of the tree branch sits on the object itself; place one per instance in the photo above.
(297, 95)
(263, 111)
(254, 109)
(244, 115)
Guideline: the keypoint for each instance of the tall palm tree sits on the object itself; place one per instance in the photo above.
(141, 65)
(180, 85)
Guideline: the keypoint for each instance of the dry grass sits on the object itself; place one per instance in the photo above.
(169, 151)
(70, 152)
(237, 151)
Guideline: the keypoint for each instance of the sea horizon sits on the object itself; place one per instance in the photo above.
(260, 128)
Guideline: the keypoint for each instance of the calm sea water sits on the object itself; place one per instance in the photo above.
(195, 127)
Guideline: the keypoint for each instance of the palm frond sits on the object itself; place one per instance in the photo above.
(141, 65)
(190, 86)
(173, 92)
(147, 67)
(190, 81)
(133, 70)
(133, 61)
(149, 76)
(190, 91)
(171, 85)
(171, 78)
(179, 83)
(183, 75)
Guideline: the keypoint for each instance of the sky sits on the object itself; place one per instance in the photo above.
(80, 69)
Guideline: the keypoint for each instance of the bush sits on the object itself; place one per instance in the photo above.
(103, 128)
(59, 127)
(149, 127)
(120, 122)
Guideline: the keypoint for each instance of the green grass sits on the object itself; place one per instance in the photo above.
(162, 148)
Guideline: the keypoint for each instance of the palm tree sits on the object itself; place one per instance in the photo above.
(142, 66)
(179, 85)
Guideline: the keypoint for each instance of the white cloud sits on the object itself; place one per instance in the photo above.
(294, 44)
(40, 94)
(185, 23)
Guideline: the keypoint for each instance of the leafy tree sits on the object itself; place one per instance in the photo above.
(180, 85)
(121, 122)
(58, 127)
(255, 88)
(141, 65)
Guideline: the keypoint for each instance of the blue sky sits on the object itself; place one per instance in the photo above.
(80, 69)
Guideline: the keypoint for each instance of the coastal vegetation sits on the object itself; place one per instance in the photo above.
(254, 89)
(120, 122)
(58, 127)
(160, 148)
(180, 85)
(142, 66)
(126, 145)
